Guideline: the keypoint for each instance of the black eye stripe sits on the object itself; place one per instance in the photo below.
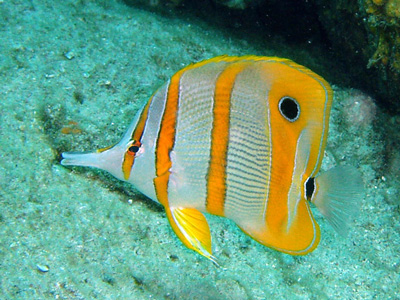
(289, 108)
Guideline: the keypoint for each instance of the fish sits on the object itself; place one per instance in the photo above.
(241, 137)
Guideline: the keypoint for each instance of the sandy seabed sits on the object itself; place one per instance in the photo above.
(73, 75)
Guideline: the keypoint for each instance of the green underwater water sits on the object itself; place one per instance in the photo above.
(73, 75)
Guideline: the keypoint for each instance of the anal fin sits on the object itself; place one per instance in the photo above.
(192, 228)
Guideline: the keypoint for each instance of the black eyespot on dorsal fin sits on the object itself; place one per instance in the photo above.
(310, 187)
(289, 108)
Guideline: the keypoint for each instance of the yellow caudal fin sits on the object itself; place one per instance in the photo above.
(192, 228)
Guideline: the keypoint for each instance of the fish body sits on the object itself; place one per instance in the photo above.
(238, 137)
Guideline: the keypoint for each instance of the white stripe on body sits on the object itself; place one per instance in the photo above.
(191, 154)
(249, 150)
(144, 169)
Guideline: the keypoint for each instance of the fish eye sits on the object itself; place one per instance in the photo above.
(134, 147)
(289, 108)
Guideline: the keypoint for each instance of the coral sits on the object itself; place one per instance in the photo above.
(383, 22)
(359, 109)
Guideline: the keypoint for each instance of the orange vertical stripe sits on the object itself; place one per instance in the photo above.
(216, 181)
(136, 136)
(166, 135)
(166, 139)
(138, 132)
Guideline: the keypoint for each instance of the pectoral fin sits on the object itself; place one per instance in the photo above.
(192, 228)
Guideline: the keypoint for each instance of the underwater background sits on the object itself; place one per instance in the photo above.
(73, 75)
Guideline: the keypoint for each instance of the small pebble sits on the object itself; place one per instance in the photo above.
(43, 268)
(69, 55)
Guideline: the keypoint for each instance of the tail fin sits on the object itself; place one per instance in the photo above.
(338, 194)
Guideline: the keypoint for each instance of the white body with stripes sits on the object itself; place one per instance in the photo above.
(240, 137)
